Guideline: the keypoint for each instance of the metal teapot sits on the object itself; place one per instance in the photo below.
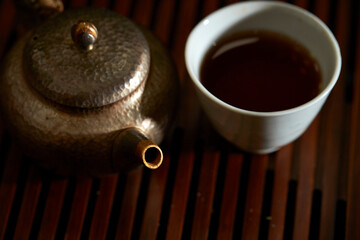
(89, 91)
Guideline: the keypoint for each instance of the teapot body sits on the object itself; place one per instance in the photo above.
(73, 140)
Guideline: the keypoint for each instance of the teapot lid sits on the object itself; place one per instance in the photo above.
(63, 63)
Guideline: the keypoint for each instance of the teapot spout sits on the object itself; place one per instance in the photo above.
(132, 148)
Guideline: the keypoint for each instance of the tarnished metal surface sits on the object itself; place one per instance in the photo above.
(63, 73)
(71, 140)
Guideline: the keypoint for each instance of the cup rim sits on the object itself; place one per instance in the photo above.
(323, 93)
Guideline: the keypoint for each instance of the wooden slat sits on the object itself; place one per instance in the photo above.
(180, 196)
(123, 7)
(322, 10)
(78, 208)
(353, 197)
(144, 17)
(209, 7)
(1, 132)
(53, 208)
(227, 2)
(129, 203)
(335, 131)
(254, 197)
(154, 200)
(191, 106)
(164, 20)
(77, 3)
(353, 213)
(102, 212)
(100, 3)
(210, 160)
(186, 18)
(8, 186)
(183, 28)
(28, 204)
(302, 3)
(205, 195)
(307, 162)
(280, 192)
(7, 16)
(230, 196)
(353, 209)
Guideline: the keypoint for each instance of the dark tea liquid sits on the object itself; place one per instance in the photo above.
(261, 71)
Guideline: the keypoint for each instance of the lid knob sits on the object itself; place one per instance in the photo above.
(84, 34)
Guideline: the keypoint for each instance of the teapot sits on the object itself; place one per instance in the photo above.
(89, 91)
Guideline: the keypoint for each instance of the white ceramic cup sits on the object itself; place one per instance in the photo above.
(263, 132)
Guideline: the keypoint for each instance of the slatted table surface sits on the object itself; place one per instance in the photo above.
(205, 189)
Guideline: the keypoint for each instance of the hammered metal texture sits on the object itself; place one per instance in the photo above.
(81, 141)
(66, 74)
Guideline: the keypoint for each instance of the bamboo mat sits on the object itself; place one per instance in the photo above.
(205, 189)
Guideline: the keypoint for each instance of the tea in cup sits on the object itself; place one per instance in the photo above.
(262, 71)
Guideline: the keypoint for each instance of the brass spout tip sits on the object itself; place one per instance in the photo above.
(150, 153)
(132, 148)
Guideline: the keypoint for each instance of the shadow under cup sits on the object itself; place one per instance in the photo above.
(263, 132)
